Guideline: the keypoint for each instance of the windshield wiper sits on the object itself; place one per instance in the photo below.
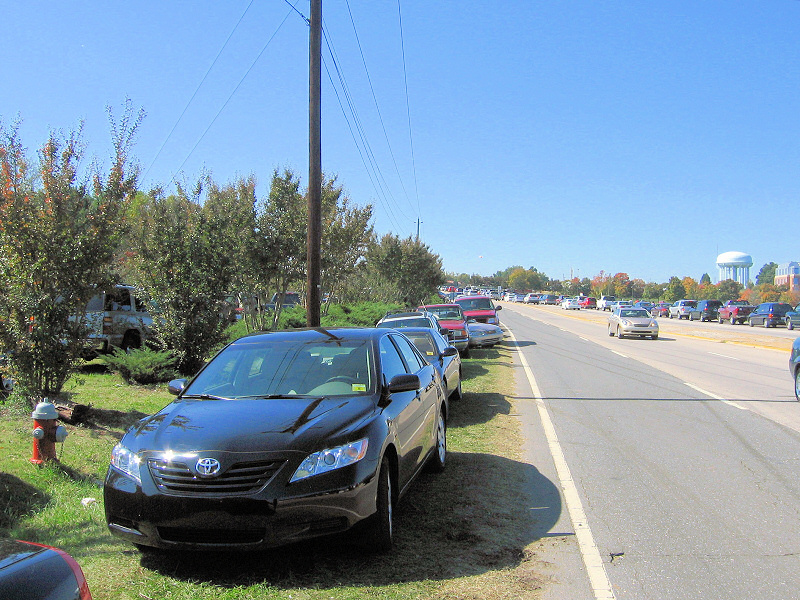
(277, 396)
(204, 397)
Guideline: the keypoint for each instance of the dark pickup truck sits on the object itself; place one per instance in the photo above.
(735, 311)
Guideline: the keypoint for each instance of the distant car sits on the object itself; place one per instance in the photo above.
(629, 321)
(587, 302)
(705, 310)
(484, 335)
(648, 306)
(570, 304)
(660, 309)
(37, 572)
(793, 318)
(441, 355)
(618, 303)
(794, 367)
(680, 309)
(283, 436)
(605, 302)
(769, 314)
(550, 299)
(531, 298)
(480, 308)
(451, 318)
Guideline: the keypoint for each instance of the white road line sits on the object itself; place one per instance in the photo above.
(584, 339)
(728, 402)
(598, 578)
(723, 356)
(619, 354)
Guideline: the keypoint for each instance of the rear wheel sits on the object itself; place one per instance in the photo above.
(766, 323)
(619, 333)
(610, 331)
(439, 458)
(789, 324)
(733, 320)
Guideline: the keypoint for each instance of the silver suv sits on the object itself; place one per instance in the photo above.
(413, 318)
(117, 318)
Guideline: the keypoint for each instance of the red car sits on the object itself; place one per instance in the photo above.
(479, 308)
(452, 318)
(661, 309)
(587, 302)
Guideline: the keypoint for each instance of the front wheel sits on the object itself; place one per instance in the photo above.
(766, 323)
(751, 323)
(610, 331)
(654, 337)
(380, 531)
(619, 333)
(789, 324)
(797, 384)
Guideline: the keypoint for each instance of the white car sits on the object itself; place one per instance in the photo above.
(571, 304)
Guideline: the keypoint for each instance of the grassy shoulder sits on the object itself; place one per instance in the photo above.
(465, 533)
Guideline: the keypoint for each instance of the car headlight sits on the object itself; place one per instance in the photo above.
(653, 324)
(331, 459)
(126, 461)
(626, 322)
(492, 320)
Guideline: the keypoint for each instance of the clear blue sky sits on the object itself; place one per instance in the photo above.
(623, 136)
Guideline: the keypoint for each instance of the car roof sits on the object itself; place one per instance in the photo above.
(309, 334)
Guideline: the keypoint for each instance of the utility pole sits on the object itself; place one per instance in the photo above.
(314, 239)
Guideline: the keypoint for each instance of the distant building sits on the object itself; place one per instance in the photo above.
(736, 266)
(788, 274)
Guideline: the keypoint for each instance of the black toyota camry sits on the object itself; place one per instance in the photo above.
(282, 436)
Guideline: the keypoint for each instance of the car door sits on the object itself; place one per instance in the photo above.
(405, 411)
(757, 316)
(427, 399)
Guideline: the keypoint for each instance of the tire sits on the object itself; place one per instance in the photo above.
(670, 315)
(619, 333)
(797, 384)
(380, 528)
(465, 353)
(751, 323)
(789, 324)
(654, 337)
(610, 331)
(438, 459)
(733, 320)
(721, 320)
(766, 323)
(456, 395)
(131, 340)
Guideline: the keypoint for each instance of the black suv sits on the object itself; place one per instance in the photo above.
(769, 314)
(706, 310)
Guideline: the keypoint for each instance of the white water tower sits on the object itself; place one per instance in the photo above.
(735, 265)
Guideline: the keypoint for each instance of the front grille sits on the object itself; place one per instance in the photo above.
(211, 536)
(174, 477)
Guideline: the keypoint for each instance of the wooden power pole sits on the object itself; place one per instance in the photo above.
(314, 239)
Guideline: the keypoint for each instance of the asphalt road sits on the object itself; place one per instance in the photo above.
(683, 454)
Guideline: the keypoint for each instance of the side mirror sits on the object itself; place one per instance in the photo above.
(498, 308)
(405, 382)
(450, 351)
(176, 386)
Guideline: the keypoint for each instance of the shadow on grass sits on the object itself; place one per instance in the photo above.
(17, 499)
(473, 518)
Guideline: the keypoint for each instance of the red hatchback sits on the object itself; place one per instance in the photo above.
(452, 318)
(587, 302)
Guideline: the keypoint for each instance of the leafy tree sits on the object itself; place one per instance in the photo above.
(57, 243)
(675, 290)
(414, 269)
(185, 258)
(729, 290)
(705, 279)
(654, 291)
(767, 275)
(622, 285)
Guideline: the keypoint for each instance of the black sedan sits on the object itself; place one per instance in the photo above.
(441, 355)
(283, 436)
(38, 572)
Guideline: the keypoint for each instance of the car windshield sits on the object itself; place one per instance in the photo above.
(424, 343)
(446, 312)
(418, 322)
(282, 367)
(633, 313)
(476, 304)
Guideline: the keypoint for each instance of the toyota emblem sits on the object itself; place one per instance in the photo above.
(207, 467)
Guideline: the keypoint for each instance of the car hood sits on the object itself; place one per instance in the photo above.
(452, 323)
(248, 425)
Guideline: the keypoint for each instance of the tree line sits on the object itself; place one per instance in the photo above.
(622, 286)
(68, 231)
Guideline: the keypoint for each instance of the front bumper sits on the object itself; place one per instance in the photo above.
(253, 521)
(638, 330)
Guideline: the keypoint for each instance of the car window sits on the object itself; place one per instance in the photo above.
(414, 322)
(413, 360)
(424, 343)
(634, 313)
(391, 363)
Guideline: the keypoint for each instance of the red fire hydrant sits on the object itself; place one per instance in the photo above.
(46, 432)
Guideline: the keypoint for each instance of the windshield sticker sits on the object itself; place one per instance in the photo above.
(359, 387)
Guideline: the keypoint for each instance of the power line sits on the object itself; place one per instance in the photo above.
(235, 89)
(408, 106)
(377, 108)
(199, 85)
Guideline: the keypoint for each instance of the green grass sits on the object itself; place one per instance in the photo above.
(462, 534)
